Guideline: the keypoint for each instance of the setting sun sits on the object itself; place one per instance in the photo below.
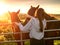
(3, 8)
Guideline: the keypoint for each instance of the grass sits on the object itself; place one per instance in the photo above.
(27, 42)
(56, 42)
(7, 37)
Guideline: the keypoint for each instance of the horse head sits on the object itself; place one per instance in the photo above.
(14, 16)
(32, 10)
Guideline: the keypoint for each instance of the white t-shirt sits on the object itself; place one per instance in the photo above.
(33, 27)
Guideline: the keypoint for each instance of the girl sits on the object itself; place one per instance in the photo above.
(35, 26)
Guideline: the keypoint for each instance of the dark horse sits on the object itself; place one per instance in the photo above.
(50, 25)
(15, 18)
(32, 11)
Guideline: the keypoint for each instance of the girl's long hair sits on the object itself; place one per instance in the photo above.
(40, 16)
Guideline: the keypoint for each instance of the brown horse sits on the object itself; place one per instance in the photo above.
(15, 18)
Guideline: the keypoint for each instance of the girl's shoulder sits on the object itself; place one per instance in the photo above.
(33, 18)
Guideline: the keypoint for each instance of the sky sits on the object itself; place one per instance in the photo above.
(50, 6)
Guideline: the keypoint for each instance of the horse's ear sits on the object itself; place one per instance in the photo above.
(18, 11)
(37, 7)
(31, 6)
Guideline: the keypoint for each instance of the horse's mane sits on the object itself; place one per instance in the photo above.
(49, 17)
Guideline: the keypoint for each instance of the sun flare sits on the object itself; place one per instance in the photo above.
(23, 10)
(3, 8)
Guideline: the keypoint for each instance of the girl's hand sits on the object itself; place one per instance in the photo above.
(28, 16)
(17, 23)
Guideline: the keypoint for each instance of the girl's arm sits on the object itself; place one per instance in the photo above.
(26, 27)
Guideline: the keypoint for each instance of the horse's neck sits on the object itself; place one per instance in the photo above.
(26, 21)
(14, 18)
